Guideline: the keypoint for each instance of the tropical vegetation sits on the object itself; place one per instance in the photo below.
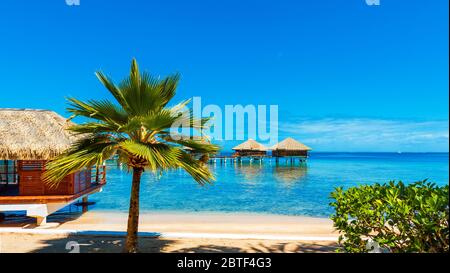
(392, 217)
(138, 127)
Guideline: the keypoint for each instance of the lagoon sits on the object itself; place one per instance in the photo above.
(270, 189)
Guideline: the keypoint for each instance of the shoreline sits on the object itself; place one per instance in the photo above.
(175, 222)
(205, 213)
(171, 232)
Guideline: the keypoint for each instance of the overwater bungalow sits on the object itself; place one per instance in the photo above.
(290, 148)
(250, 148)
(28, 140)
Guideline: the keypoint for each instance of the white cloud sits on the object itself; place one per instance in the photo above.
(363, 134)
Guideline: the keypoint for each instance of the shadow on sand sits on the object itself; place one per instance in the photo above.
(288, 247)
(114, 244)
(97, 244)
(20, 220)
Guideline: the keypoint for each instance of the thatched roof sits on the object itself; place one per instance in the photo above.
(251, 145)
(290, 144)
(33, 134)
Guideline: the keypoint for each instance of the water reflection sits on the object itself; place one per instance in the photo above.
(289, 174)
(250, 172)
(255, 173)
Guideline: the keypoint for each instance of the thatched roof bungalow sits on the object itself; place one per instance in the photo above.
(250, 148)
(290, 147)
(27, 134)
(28, 139)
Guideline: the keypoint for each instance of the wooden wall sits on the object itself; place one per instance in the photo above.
(249, 153)
(289, 153)
(31, 184)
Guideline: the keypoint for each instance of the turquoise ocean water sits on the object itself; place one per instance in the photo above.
(267, 188)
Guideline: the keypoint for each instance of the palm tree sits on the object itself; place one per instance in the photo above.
(138, 128)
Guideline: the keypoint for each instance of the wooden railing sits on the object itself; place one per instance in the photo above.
(98, 175)
(9, 175)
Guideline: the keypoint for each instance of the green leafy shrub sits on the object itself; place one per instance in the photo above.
(398, 217)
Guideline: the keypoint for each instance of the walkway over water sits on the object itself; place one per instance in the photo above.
(261, 159)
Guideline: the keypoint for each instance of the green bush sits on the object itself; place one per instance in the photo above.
(398, 217)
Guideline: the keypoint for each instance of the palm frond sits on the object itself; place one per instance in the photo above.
(169, 87)
(196, 169)
(71, 162)
(197, 145)
(159, 121)
(189, 121)
(112, 88)
(103, 110)
(146, 93)
(85, 153)
(94, 128)
(159, 156)
(180, 106)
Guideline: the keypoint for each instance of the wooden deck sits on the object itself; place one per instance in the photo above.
(6, 200)
(264, 158)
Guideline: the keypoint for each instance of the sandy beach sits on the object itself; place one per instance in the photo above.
(171, 232)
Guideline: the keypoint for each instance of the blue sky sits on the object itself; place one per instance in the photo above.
(346, 76)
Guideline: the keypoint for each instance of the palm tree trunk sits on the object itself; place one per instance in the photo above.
(131, 245)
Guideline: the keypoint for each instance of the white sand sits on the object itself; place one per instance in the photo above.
(181, 232)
